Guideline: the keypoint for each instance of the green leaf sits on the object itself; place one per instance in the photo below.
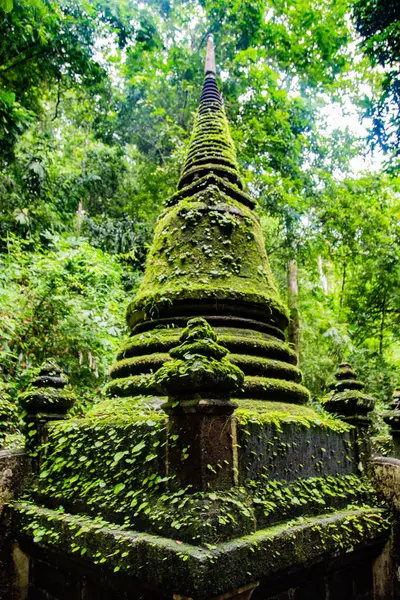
(119, 455)
(119, 487)
(138, 447)
(6, 5)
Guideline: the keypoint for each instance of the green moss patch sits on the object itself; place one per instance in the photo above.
(279, 413)
(211, 147)
(203, 182)
(277, 390)
(266, 367)
(207, 247)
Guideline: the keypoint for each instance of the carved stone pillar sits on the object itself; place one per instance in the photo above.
(45, 400)
(201, 432)
(352, 405)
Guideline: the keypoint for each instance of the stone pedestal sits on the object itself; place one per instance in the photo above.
(201, 437)
(46, 400)
(353, 406)
(200, 451)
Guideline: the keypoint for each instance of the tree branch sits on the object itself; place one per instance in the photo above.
(58, 101)
(23, 60)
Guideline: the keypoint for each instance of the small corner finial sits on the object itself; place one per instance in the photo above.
(209, 68)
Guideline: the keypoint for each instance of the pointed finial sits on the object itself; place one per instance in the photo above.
(209, 67)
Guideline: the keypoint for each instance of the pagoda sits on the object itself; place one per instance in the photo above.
(208, 260)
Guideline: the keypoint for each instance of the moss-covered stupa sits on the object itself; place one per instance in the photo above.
(227, 487)
(347, 398)
(208, 259)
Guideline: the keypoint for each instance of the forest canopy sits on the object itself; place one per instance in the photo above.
(97, 99)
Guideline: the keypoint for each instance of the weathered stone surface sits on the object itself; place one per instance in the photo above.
(346, 398)
(45, 400)
(201, 573)
(15, 472)
(289, 451)
(47, 393)
(386, 474)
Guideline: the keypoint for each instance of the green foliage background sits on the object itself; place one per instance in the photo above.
(96, 104)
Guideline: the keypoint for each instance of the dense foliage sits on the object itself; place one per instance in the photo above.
(378, 22)
(96, 105)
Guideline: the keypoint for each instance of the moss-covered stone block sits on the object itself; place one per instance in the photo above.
(199, 572)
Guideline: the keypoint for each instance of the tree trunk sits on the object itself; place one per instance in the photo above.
(342, 290)
(322, 277)
(293, 302)
(382, 327)
(80, 213)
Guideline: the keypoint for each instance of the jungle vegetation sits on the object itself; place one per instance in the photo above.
(96, 104)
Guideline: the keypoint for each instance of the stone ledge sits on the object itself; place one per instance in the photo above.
(386, 475)
(180, 568)
(15, 468)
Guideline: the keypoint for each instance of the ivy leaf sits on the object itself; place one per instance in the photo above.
(6, 5)
(119, 455)
(138, 447)
(119, 487)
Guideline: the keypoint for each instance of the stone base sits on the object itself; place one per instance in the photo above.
(15, 472)
(78, 549)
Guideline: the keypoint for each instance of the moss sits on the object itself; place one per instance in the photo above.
(200, 573)
(156, 340)
(47, 399)
(135, 409)
(345, 371)
(207, 252)
(198, 373)
(229, 172)
(130, 386)
(102, 463)
(277, 390)
(199, 365)
(253, 342)
(265, 367)
(348, 384)
(349, 402)
(111, 464)
(250, 342)
(47, 393)
(138, 364)
(279, 413)
(277, 501)
(211, 144)
(346, 398)
(230, 189)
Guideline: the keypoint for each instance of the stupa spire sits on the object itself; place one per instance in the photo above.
(211, 149)
(209, 68)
